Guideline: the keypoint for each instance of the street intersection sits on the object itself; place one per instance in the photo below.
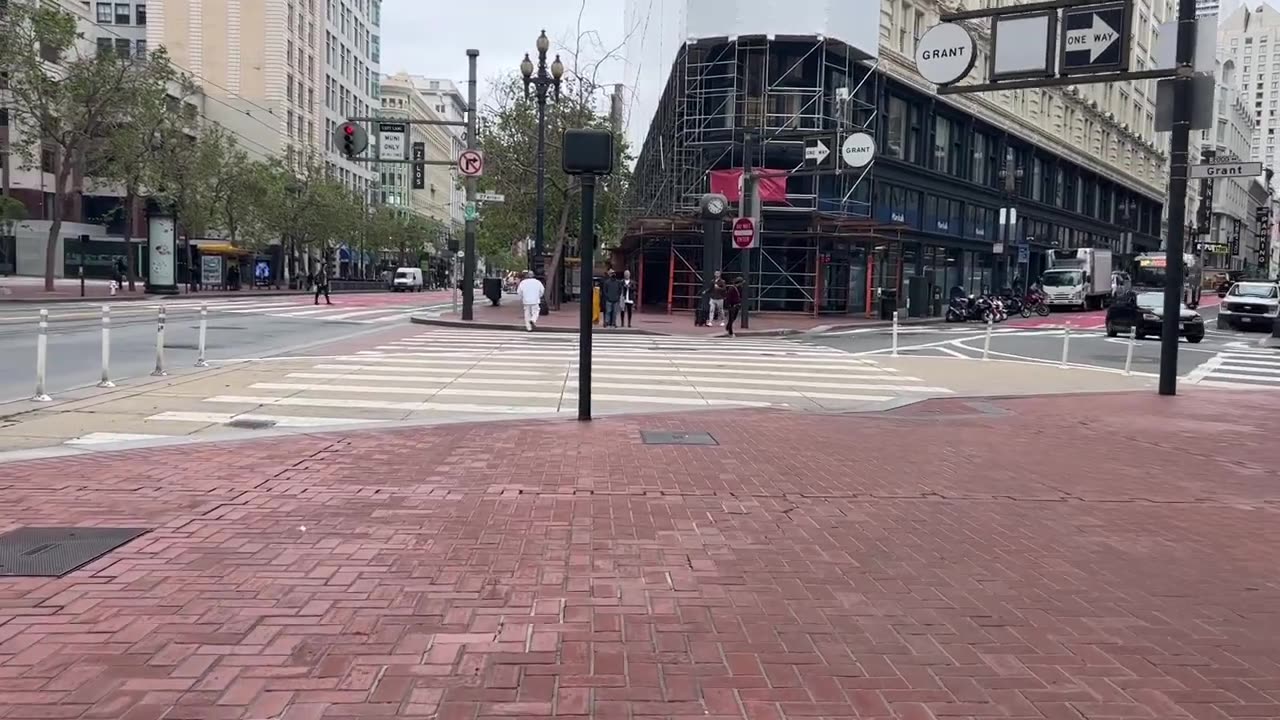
(1223, 359)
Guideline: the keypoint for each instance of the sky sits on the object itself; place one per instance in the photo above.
(430, 37)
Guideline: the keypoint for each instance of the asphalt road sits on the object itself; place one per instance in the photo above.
(75, 339)
(1088, 346)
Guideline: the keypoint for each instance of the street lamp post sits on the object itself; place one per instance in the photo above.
(538, 82)
(1011, 177)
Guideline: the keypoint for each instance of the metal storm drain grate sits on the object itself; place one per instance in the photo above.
(54, 552)
(250, 424)
(663, 437)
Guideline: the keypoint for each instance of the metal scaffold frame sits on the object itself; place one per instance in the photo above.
(783, 89)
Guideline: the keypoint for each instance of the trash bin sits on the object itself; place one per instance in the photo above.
(888, 303)
(493, 290)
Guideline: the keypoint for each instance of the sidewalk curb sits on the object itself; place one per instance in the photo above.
(180, 297)
(778, 332)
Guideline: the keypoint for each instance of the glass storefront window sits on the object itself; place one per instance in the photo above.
(896, 128)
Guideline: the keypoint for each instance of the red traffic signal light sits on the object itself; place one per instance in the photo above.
(349, 129)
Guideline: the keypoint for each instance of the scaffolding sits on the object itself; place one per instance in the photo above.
(784, 90)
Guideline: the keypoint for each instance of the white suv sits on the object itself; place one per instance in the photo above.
(1250, 305)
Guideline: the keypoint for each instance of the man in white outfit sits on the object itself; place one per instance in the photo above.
(530, 291)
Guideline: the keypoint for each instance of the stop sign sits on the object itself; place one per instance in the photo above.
(744, 233)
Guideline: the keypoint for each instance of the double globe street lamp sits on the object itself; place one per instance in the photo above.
(539, 81)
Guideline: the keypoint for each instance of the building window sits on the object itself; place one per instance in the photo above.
(899, 134)
(123, 46)
(48, 159)
(140, 49)
(104, 13)
(122, 14)
(140, 13)
(104, 46)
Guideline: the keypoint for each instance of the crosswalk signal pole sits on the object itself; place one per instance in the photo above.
(469, 238)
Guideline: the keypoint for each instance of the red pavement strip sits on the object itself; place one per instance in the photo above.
(1064, 558)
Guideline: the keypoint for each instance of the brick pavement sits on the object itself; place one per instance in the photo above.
(1064, 558)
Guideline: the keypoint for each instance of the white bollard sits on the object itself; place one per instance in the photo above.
(42, 354)
(1128, 353)
(986, 342)
(159, 345)
(1066, 345)
(105, 382)
(204, 328)
(895, 333)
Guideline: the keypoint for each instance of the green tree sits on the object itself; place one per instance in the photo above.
(508, 137)
(65, 97)
(133, 150)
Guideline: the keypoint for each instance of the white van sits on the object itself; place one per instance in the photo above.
(407, 279)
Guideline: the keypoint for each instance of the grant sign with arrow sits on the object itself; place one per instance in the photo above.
(1094, 39)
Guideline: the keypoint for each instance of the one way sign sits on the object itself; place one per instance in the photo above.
(817, 150)
(1095, 38)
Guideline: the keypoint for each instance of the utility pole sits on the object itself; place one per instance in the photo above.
(469, 241)
(1179, 163)
(747, 209)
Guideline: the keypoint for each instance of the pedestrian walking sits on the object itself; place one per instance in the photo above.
(629, 293)
(531, 291)
(732, 303)
(322, 285)
(611, 294)
(717, 300)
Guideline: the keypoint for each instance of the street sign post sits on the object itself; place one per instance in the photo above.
(945, 54)
(470, 163)
(1226, 169)
(816, 151)
(1095, 38)
(744, 233)
(391, 138)
(858, 150)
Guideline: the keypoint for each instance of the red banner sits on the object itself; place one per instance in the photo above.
(772, 184)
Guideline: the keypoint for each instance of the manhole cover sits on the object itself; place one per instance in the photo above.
(663, 437)
(250, 424)
(54, 552)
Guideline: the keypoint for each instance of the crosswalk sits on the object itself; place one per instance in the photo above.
(445, 374)
(371, 309)
(1240, 369)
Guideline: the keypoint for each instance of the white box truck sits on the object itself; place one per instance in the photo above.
(1078, 278)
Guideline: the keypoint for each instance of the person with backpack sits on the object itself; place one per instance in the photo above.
(732, 303)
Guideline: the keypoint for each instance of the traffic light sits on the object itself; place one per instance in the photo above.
(351, 140)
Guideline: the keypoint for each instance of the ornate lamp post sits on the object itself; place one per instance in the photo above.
(540, 80)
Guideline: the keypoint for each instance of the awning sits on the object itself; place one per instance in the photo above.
(222, 249)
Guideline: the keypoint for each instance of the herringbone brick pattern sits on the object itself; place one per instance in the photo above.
(1103, 557)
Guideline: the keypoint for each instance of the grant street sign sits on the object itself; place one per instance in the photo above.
(1226, 170)
(945, 54)
(858, 150)
(1095, 38)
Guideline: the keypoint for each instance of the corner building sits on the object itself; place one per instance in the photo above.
(1081, 166)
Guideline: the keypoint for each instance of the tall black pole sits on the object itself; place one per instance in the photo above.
(1178, 168)
(540, 220)
(469, 237)
(586, 245)
(746, 209)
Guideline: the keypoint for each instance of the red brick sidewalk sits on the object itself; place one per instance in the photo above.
(1064, 558)
(509, 315)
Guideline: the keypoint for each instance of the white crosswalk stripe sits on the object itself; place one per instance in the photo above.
(446, 374)
(1252, 369)
(364, 310)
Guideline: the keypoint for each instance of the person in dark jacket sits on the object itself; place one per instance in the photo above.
(611, 294)
(732, 303)
(322, 285)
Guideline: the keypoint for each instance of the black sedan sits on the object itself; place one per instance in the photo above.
(1144, 313)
